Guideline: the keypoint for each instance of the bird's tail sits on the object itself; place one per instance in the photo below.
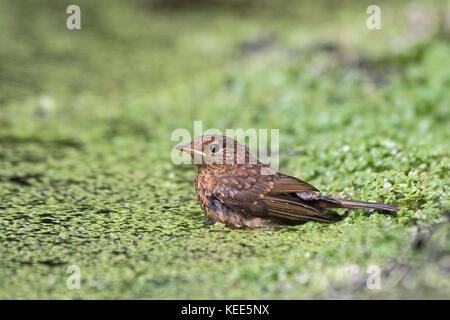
(327, 202)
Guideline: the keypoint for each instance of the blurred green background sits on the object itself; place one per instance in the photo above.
(86, 118)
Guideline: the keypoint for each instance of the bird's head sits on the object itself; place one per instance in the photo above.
(216, 151)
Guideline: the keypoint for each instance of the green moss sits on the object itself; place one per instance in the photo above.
(85, 171)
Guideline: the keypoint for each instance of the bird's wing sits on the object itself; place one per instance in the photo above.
(291, 208)
(267, 196)
(250, 184)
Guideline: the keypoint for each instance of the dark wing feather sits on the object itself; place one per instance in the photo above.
(295, 209)
(287, 184)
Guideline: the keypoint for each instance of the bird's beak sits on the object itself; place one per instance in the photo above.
(187, 148)
(183, 147)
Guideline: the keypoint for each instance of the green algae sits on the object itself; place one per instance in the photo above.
(86, 177)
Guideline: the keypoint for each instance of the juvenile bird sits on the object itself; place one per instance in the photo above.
(236, 189)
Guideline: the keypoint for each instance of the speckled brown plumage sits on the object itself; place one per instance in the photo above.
(234, 188)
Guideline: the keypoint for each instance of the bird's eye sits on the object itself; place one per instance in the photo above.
(214, 148)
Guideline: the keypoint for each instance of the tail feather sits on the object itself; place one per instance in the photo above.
(327, 202)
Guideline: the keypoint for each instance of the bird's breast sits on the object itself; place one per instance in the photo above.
(204, 185)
